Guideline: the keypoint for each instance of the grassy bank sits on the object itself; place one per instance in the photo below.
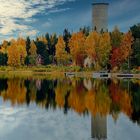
(49, 68)
(44, 71)
(52, 70)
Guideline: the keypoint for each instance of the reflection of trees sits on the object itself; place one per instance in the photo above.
(135, 90)
(45, 96)
(98, 100)
(61, 91)
(99, 127)
(16, 92)
(82, 95)
(76, 98)
(3, 85)
(31, 91)
(121, 100)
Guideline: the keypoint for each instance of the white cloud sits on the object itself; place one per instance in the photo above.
(31, 33)
(56, 10)
(16, 14)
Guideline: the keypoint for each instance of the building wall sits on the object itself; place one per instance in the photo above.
(100, 16)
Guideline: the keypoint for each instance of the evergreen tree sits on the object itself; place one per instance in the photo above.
(43, 51)
(28, 42)
(135, 58)
(33, 54)
(66, 37)
(3, 59)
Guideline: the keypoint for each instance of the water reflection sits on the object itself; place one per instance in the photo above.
(85, 96)
(99, 127)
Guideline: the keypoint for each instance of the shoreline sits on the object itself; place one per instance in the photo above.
(79, 74)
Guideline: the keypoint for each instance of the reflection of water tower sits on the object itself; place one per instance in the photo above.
(100, 16)
(99, 127)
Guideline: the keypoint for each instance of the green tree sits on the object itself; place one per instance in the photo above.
(66, 37)
(43, 51)
(3, 59)
(33, 53)
(28, 42)
(135, 57)
(86, 30)
(116, 37)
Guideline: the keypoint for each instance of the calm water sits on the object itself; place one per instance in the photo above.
(69, 109)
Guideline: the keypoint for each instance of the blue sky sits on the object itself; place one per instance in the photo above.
(36, 17)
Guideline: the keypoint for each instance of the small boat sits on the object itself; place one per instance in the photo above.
(123, 75)
(101, 75)
(69, 74)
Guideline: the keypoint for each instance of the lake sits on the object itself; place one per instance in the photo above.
(37, 108)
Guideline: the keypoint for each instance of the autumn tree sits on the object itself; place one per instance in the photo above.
(77, 48)
(116, 37)
(13, 54)
(122, 53)
(104, 49)
(21, 45)
(91, 44)
(61, 55)
(17, 52)
(4, 46)
(98, 47)
(126, 44)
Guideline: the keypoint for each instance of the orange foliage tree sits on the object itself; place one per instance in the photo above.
(122, 53)
(77, 48)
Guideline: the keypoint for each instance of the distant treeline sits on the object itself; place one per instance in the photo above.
(86, 48)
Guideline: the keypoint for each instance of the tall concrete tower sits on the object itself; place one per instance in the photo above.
(100, 16)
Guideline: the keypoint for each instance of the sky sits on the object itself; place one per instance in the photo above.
(36, 17)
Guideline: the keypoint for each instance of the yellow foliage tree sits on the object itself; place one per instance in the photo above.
(103, 50)
(61, 55)
(4, 47)
(16, 92)
(98, 47)
(90, 44)
(13, 55)
(17, 52)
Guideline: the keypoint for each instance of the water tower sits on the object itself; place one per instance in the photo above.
(100, 16)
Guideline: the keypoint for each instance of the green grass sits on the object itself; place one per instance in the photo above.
(49, 68)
